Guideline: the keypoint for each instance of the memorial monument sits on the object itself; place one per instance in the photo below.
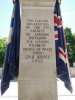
(37, 73)
(38, 43)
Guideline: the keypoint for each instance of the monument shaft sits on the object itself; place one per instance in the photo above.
(37, 75)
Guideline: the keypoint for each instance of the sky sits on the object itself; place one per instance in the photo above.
(68, 14)
(6, 6)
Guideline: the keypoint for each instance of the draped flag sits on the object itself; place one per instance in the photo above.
(61, 50)
(11, 61)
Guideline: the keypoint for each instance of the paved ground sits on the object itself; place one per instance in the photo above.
(63, 94)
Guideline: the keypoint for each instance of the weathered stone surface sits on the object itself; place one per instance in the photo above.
(37, 75)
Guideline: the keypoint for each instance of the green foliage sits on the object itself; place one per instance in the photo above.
(3, 43)
(70, 38)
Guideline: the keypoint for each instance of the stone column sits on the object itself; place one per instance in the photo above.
(37, 72)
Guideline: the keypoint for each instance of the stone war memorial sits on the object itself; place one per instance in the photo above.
(37, 73)
(36, 51)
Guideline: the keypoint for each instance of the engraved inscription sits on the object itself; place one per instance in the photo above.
(37, 42)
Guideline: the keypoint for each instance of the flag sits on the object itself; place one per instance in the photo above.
(62, 64)
(11, 60)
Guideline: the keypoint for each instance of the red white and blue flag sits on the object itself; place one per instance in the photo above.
(61, 49)
(11, 61)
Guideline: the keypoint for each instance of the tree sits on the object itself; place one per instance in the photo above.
(3, 43)
(70, 38)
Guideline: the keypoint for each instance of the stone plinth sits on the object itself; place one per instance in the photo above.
(37, 75)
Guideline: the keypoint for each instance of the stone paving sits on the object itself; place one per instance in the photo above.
(63, 94)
